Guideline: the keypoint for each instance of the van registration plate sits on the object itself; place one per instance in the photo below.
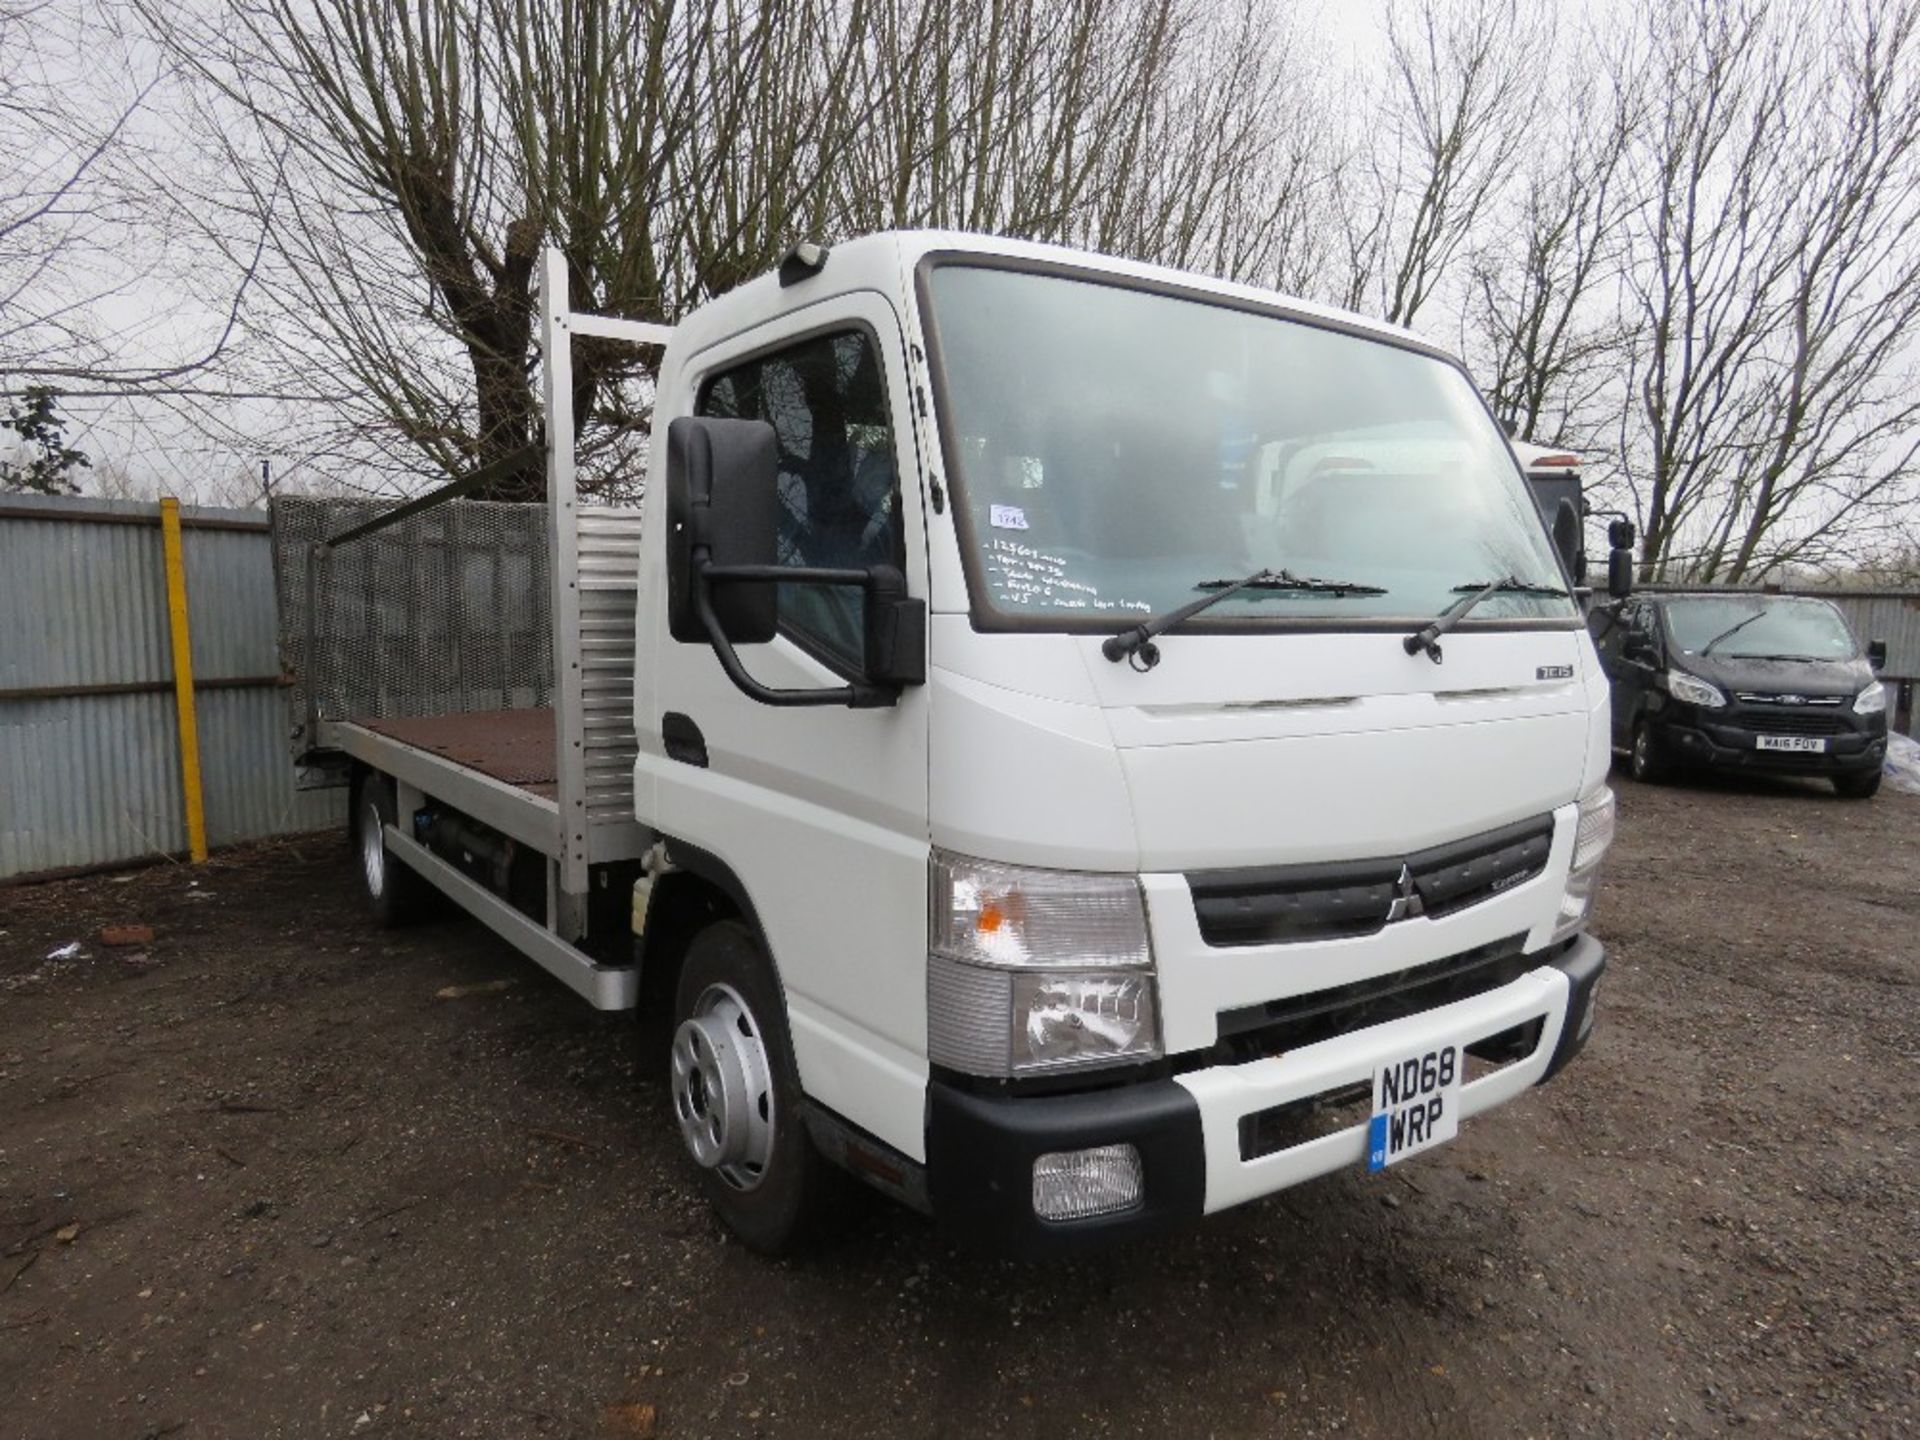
(1416, 1104)
(1812, 744)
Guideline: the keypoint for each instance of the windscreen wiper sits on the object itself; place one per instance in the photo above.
(1427, 637)
(1287, 580)
(1136, 645)
(1731, 631)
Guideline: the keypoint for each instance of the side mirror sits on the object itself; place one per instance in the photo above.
(1637, 647)
(723, 570)
(1620, 538)
(1619, 573)
(723, 509)
(1566, 536)
(1877, 654)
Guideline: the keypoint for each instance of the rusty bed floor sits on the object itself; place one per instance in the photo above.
(512, 746)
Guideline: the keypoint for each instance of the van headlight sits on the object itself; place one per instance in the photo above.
(1694, 690)
(1871, 701)
(1036, 971)
(1592, 838)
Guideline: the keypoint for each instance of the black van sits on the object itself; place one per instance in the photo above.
(1773, 683)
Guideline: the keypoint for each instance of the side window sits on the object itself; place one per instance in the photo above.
(1646, 622)
(839, 492)
(1642, 629)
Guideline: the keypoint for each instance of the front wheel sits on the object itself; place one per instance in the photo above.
(1862, 786)
(736, 1094)
(1648, 762)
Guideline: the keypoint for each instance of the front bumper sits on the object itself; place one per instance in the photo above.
(1189, 1129)
(1725, 744)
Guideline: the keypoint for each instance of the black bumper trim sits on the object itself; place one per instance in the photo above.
(981, 1149)
(1582, 963)
(1727, 748)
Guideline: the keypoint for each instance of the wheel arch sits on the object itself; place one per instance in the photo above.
(700, 890)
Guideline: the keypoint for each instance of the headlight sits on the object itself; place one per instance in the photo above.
(1693, 690)
(1036, 970)
(1592, 838)
(1871, 701)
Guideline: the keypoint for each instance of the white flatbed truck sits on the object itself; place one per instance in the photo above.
(1076, 746)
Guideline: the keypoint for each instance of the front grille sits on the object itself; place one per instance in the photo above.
(1754, 697)
(1256, 1031)
(1279, 904)
(1789, 722)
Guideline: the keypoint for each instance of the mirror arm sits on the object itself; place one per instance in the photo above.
(783, 574)
(858, 696)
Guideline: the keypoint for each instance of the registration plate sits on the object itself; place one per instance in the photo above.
(1416, 1105)
(1812, 744)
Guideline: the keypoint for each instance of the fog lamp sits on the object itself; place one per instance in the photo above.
(1080, 1184)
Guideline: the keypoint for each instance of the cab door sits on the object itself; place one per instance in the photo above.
(820, 813)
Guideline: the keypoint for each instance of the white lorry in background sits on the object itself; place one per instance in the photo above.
(1076, 746)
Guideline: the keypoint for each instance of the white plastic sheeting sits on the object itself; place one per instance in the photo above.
(1902, 764)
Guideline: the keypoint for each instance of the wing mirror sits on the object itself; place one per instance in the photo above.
(1620, 538)
(1566, 539)
(723, 511)
(1877, 654)
(723, 520)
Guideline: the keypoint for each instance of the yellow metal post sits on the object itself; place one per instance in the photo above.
(183, 680)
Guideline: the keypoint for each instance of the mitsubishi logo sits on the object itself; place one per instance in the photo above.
(1406, 900)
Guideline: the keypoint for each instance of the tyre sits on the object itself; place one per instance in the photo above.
(1857, 787)
(1647, 761)
(736, 1094)
(395, 894)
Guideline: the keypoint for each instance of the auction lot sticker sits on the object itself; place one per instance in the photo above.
(1416, 1104)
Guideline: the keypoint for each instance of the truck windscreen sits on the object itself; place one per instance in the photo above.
(1113, 448)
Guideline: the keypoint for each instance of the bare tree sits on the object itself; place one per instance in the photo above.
(1838, 449)
(1773, 285)
(98, 265)
(61, 222)
(1432, 146)
(1540, 320)
(409, 159)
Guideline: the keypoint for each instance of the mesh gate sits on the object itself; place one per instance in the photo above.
(443, 613)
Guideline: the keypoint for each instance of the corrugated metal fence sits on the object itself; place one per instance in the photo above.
(89, 741)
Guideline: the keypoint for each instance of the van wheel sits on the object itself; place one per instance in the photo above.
(1647, 761)
(395, 894)
(736, 1094)
(1858, 787)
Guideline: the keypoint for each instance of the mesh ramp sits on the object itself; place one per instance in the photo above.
(447, 612)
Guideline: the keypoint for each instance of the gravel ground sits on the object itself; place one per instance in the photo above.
(258, 1178)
